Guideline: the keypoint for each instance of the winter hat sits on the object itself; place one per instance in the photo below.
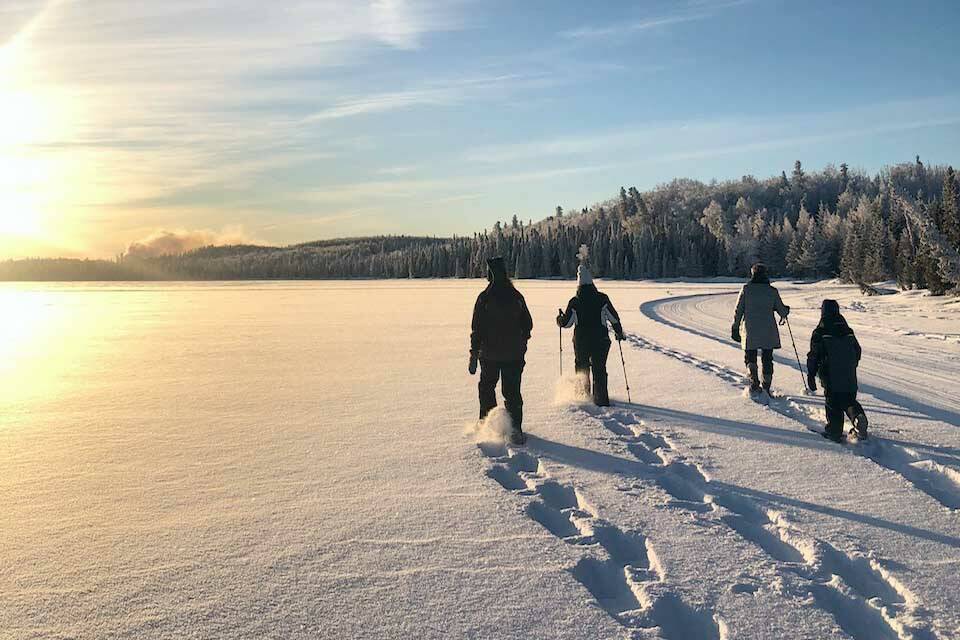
(829, 308)
(583, 275)
(496, 269)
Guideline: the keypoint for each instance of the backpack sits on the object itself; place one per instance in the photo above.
(840, 363)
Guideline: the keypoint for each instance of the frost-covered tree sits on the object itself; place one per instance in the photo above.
(713, 220)
(814, 259)
(941, 250)
(795, 250)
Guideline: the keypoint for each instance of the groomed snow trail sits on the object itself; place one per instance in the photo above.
(854, 590)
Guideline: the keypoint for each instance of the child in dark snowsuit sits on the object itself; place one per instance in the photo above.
(834, 355)
(591, 311)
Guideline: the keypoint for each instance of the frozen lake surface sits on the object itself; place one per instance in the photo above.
(293, 460)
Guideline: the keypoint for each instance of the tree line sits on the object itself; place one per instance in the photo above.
(902, 223)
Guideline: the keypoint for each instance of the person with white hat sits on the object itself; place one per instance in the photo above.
(591, 312)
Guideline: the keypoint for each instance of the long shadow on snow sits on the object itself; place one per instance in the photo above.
(795, 438)
(587, 458)
(649, 309)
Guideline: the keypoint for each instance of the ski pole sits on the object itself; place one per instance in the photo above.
(561, 352)
(797, 353)
(624, 363)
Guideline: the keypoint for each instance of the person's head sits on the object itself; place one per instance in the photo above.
(497, 271)
(758, 272)
(829, 309)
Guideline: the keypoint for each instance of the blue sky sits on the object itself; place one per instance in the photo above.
(290, 121)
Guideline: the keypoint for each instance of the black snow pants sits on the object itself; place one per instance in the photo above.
(766, 357)
(593, 358)
(510, 373)
(838, 405)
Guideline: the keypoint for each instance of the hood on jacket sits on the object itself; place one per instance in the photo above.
(830, 319)
(497, 271)
(758, 273)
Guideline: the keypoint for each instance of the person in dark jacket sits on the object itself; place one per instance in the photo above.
(499, 333)
(755, 308)
(834, 355)
(591, 312)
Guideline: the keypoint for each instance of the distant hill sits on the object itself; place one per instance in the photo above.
(832, 222)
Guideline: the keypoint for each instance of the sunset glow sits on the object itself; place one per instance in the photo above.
(123, 120)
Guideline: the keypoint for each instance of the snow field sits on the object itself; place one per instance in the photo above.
(289, 460)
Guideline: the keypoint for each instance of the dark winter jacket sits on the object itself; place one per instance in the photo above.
(834, 352)
(590, 311)
(501, 324)
(755, 307)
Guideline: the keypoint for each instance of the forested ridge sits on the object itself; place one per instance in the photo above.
(902, 223)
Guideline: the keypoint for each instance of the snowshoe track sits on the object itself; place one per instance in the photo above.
(864, 600)
(939, 481)
(619, 568)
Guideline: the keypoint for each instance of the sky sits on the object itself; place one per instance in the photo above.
(294, 120)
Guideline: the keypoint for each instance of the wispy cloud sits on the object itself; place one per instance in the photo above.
(435, 94)
(711, 137)
(690, 12)
(149, 99)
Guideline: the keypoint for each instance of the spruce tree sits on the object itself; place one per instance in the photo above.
(814, 260)
(950, 209)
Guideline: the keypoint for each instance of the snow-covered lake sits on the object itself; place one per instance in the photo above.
(291, 460)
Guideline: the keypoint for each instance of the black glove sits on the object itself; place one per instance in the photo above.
(621, 337)
(560, 317)
(735, 334)
(812, 383)
(472, 367)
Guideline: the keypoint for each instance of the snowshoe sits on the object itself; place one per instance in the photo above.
(859, 430)
(518, 438)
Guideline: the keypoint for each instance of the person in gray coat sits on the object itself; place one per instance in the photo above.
(755, 308)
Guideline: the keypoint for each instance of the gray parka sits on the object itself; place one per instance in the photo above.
(755, 306)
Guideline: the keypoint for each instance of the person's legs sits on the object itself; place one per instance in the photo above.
(489, 374)
(581, 365)
(766, 358)
(512, 373)
(835, 405)
(598, 362)
(750, 359)
(857, 416)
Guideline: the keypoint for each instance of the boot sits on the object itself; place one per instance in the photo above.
(835, 436)
(767, 381)
(754, 378)
(518, 438)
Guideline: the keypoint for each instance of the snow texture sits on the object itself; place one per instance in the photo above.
(303, 460)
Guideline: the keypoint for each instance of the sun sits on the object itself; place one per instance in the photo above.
(25, 176)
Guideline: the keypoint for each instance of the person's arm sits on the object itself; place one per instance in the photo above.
(611, 317)
(859, 348)
(778, 306)
(568, 318)
(737, 317)
(527, 318)
(814, 358)
(476, 328)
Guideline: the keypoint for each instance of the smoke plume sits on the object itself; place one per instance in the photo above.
(167, 242)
